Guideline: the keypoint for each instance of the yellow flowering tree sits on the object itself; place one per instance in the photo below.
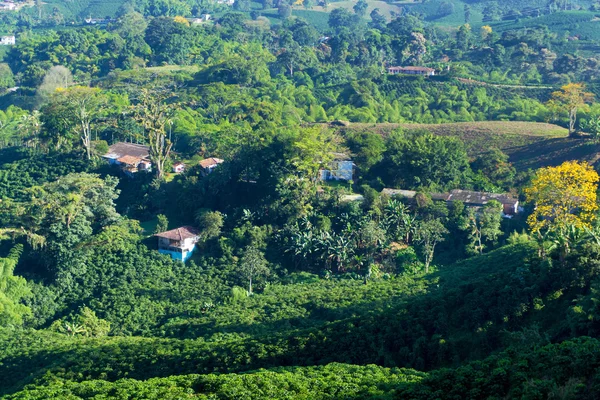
(181, 20)
(485, 31)
(570, 98)
(564, 197)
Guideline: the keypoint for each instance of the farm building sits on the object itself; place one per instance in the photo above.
(424, 71)
(178, 167)
(8, 6)
(340, 169)
(98, 21)
(131, 164)
(203, 18)
(7, 41)
(510, 205)
(178, 243)
(209, 164)
(130, 157)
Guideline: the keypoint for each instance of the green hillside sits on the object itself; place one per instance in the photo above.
(529, 144)
(211, 200)
(585, 24)
(84, 8)
(466, 313)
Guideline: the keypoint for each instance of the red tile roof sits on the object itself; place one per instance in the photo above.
(210, 161)
(121, 149)
(130, 160)
(179, 234)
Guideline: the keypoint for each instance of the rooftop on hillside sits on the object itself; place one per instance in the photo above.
(211, 161)
(122, 149)
(179, 234)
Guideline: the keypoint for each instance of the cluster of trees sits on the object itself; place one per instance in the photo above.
(289, 269)
(142, 35)
(287, 71)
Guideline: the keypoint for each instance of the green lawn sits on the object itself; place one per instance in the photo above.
(149, 226)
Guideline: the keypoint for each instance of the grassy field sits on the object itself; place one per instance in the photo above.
(529, 144)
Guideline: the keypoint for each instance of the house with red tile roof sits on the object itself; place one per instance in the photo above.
(130, 157)
(209, 164)
(179, 243)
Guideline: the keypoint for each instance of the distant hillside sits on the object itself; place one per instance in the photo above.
(583, 24)
(529, 144)
(84, 8)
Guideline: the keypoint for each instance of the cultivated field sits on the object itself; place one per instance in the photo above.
(529, 144)
(385, 8)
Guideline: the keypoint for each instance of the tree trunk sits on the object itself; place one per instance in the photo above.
(160, 148)
(572, 120)
(87, 143)
(86, 134)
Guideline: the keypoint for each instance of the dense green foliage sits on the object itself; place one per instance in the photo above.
(568, 369)
(308, 279)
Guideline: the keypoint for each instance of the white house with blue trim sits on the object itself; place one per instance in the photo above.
(178, 243)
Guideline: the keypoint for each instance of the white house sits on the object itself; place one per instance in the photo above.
(178, 243)
(7, 41)
(8, 6)
(209, 164)
(340, 169)
(203, 18)
(178, 167)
